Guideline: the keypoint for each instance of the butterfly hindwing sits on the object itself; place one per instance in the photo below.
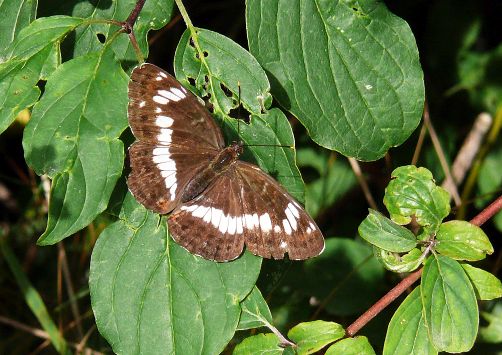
(245, 206)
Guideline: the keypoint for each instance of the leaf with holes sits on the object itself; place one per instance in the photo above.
(313, 336)
(73, 137)
(400, 263)
(450, 306)
(462, 240)
(407, 332)
(255, 312)
(412, 193)
(349, 71)
(226, 67)
(380, 231)
(150, 295)
(32, 56)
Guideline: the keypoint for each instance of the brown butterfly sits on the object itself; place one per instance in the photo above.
(218, 204)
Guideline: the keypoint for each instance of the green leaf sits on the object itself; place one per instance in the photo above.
(33, 298)
(349, 71)
(154, 15)
(73, 137)
(355, 279)
(313, 336)
(358, 345)
(255, 312)
(226, 67)
(378, 230)
(400, 263)
(449, 303)
(149, 295)
(412, 192)
(336, 178)
(259, 344)
(486, 285)
(16, 15)
(32, 56)
(462, 240)
(407, 331)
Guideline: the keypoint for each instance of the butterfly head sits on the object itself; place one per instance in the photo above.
(237, 148)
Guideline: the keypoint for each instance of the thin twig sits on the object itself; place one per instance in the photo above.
(394, 293)
(420, 143)
(283, 340)
(441, 156)
(356, 168)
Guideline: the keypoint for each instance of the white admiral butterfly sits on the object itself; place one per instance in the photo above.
(218, 204)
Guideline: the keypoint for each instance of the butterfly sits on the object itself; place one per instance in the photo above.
(217, 203)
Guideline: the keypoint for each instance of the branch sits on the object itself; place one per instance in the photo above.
(398, 290)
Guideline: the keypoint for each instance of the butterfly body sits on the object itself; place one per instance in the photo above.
(217, 203)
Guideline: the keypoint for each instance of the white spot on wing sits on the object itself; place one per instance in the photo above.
(283, 244)
(165, 135)
(215, 217)
(162, 74)
(240, 221)
(164, 121)
(223, 223)
(168, 95)
(294, 210)
(160, 100)
(277, 229)
(142, 104)
(287, 227)
(291, 219)
(232, 225)
(265, 222)
(178, 93)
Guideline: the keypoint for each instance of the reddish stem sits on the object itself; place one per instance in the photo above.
(360, 322)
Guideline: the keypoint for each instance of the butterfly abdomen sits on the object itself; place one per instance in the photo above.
(225, 158)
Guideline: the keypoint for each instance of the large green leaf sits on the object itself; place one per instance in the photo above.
(313, 336)
(449, 303)
(407, 332)
(228, 74)
(348, 70)
(486, 285)
(32, 56)
(73, 137)
(16, 15)
(151, 296)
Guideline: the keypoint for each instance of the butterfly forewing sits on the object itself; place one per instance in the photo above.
(245, 206)
(176, 138)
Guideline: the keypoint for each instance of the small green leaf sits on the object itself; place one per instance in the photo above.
(412, 192)
(348, 70)
(149, 295)
(380, 231)
(450, 306)
(73, 136)
(407, 332)
(462, 240)
(486, 285)
(229, 75)
(400, 263)
(358, 345)
(260, 344)
(313, 336)
(255, 312)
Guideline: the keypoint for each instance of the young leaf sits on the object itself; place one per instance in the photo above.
(255, 312)
(486, 285)
(313, 336)
(259, 344)
(32, 56)
(150, 295)
(73, 137)
(407, 332)
(380, 231)
(400, 263)
(358, 345)
(449, 303)
(334, 66)
(462, 240)
(413, 193)
(226, 67)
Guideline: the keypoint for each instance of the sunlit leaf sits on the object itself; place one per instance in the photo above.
(313, 336)
(462, 240)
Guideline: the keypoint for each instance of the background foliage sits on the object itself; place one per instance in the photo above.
(365, 73)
